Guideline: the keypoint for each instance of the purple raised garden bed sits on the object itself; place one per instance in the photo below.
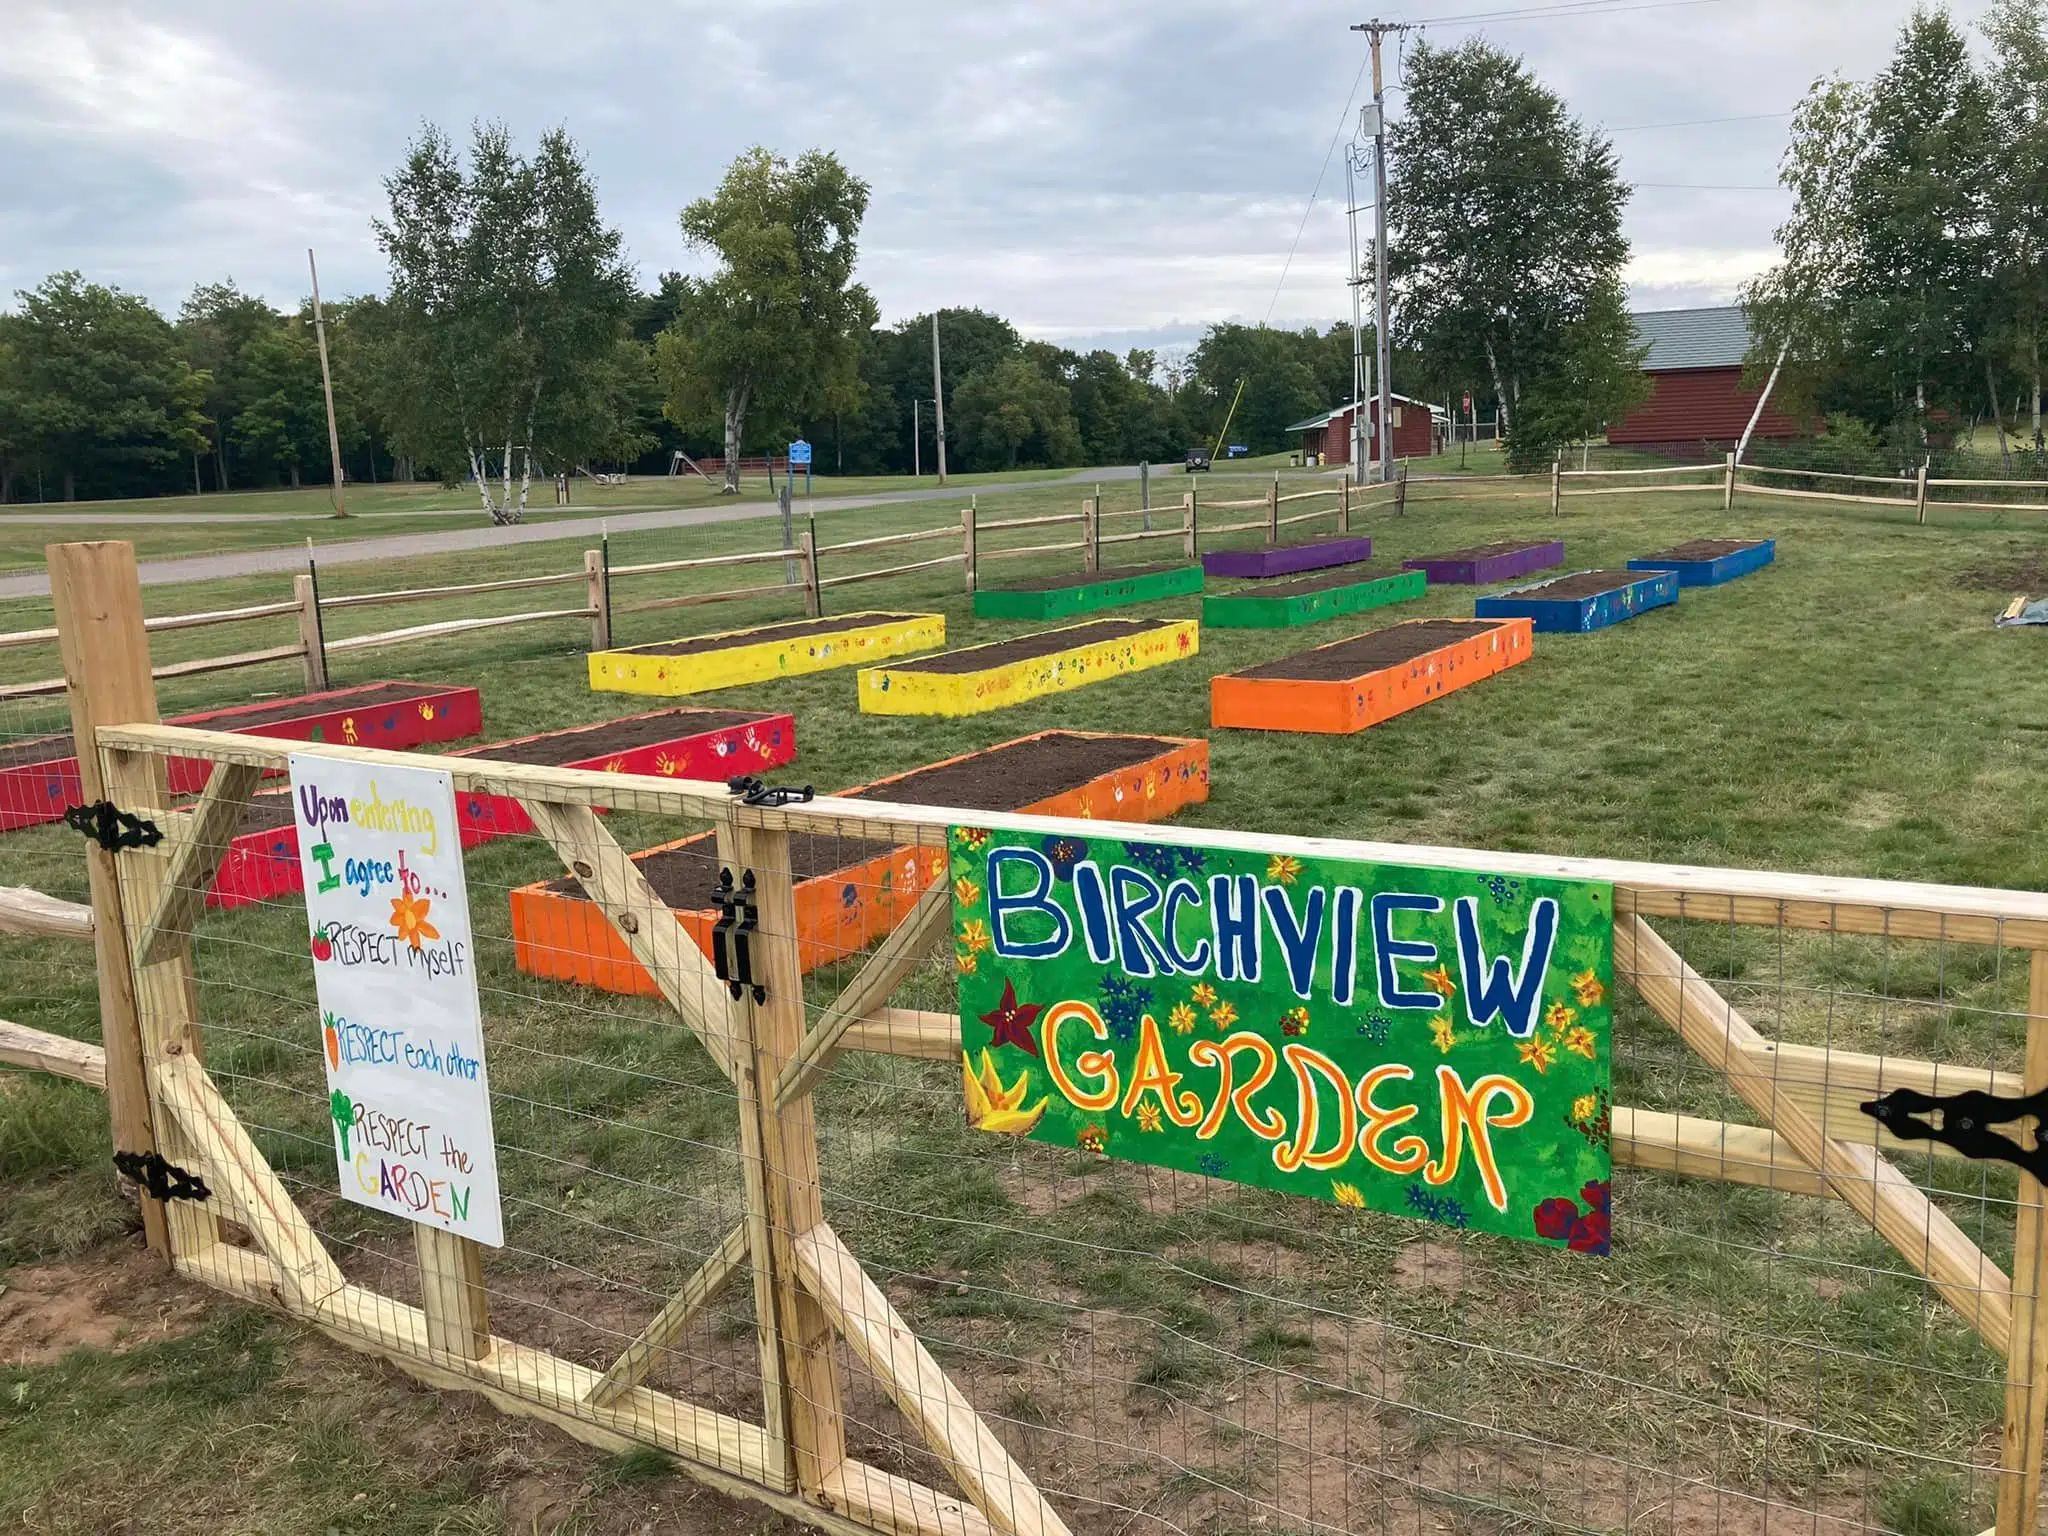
(1488, 563)
(1288, 559)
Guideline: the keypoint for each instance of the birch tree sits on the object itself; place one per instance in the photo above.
(498, 343)
(776, 329)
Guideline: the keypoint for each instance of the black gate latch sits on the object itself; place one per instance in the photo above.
(163, 1181)
(1966, 1121)
(111, 827)
(752, 791)
(732, 950)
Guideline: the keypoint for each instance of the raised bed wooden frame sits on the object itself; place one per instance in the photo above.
(1751, 555)
(642, 669)
(561, 937)
(1623, 601)
(1256, 609)
(1342, 706)
(1288, 559)
(906, 691)
(34, 793)
(1089, 592)
(263, 865)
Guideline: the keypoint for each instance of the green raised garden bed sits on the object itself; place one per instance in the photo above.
(1058, 597)
(1312, 599)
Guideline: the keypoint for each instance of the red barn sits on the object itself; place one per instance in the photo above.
(1696, 391)
(1326, 439)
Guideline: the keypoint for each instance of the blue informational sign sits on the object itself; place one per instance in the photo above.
(799, 454)
(1237, 450)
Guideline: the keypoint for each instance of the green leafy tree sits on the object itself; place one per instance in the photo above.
(1506, 245)
(776, 330)
(1282, 384)
(2016, 196)
(1011, 413)
(101, 390)
(508, 298)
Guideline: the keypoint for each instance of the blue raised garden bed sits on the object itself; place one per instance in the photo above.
(1582, 601)
(1709, 562)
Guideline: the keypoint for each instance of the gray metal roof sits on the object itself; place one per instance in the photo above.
(1692, 338)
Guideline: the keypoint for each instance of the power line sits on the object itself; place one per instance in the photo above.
(1317, 188)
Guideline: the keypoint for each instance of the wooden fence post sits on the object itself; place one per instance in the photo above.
(312, 636)
(452, 1292)
(814, 595)
(98, 600)
(811, 1410)
(1728, 487)
(1344, 504)
(1920, 494)
(1401, 489)
(1273, 510)
(1091, 533)
(2025, 1437)
(1557, 485)
(1187, 525)
(597, 597)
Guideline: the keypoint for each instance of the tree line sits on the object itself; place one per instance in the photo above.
(1908, 299)
(512, 342)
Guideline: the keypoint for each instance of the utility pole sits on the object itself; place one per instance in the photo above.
(1355, 282)
(327, 387)
(1377, 31)
(938, 400)
(916, 463)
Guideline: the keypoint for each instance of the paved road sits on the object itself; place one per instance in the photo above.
(404, 546)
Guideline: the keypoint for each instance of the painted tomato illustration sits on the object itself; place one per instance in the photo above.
(323, 946)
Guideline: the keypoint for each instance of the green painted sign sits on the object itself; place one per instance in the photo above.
(1424, 1041)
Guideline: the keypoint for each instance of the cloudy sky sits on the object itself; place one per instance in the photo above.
(1114, 170)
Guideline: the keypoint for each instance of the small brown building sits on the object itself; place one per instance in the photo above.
(1326, 439)
(1696, 391)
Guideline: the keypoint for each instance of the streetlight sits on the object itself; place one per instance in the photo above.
(916, 463)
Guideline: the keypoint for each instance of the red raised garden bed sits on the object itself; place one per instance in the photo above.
(262, 861)
(39, 778)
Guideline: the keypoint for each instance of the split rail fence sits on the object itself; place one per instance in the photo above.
(752, 1232)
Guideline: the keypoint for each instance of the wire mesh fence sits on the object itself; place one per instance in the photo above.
(1151, 1350)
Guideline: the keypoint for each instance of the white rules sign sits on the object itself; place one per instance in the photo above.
(394, 966)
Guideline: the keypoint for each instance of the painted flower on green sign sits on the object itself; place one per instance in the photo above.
(1429, 1042)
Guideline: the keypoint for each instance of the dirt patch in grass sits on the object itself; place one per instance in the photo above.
(1371, 651)
(798, 629)
(587, 743)
(116, 1299)
(2024, 569)
(1049, 642)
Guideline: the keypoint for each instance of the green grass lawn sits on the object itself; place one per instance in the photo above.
(1143, 1339)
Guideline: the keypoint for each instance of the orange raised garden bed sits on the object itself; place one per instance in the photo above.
(852, 891)
(1351, 684)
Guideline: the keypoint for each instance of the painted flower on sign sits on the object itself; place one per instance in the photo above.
(1348, 1195)
(1204, 995)
(1587, 988)
(1294, 1022)
(1010, 1021)
(1560, 1017)
(966, 963)
(1580, 1042)
(409, 917)
(1439, 981)
(1537, 1052)
(974, 936)
(1441, 1032)
(1092, 1138)
(992, 1106)
(1283, 869)
(966, 892)
(1223, 1015)
(1149, 1118)
(1182, 1018)
(1063, 853)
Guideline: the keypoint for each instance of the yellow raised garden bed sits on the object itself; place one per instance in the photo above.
(1007, 672)
(700, 663)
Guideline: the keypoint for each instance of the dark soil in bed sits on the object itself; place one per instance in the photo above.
(1584, 584)
(1006, 778)
(980, 658)
(43, 748)
(1702, 549)
(796, 629)
(1370, 652)
(1488, 551)
(609, 737)
(1088, 578)
(1322, 581)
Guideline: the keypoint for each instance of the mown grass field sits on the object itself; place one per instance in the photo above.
(1142, 1341)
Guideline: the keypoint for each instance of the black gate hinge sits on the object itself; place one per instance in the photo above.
(1966, 1121)
(111, 827)
(752, 791)
(732, 948)
(163, 1181)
